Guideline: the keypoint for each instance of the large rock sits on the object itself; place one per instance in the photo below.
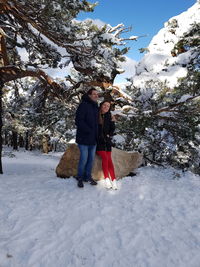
(124, 163)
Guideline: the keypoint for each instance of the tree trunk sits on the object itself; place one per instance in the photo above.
(14, 140)
(45, 145)
(55, 146)
(6, 138)
(21, 141)
(31, 143)
(26, 141)
(1, 124)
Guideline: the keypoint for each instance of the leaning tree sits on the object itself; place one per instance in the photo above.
(34, 27)
(40, 34)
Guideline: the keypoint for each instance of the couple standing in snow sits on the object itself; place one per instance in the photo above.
(95, 127)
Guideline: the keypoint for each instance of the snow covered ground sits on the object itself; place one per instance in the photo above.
(152, 220)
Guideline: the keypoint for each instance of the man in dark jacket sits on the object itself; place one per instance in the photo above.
(86, 135)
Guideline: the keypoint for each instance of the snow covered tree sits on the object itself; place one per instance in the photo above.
(26, 26)
(35, 27)
(164, 126)
(164, 121)
(41, 34)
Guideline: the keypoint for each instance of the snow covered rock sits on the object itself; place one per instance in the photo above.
(124, 163)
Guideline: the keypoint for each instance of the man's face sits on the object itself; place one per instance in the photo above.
(94, 95)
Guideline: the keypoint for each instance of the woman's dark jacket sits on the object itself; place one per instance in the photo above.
(87, 122)
(105, 133)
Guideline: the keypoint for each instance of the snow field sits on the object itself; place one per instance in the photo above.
(152, 220)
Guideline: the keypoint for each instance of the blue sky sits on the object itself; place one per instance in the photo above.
(146, 17)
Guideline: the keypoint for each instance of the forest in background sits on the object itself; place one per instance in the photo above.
(37, 112)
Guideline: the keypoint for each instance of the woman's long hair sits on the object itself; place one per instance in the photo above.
(100, 117)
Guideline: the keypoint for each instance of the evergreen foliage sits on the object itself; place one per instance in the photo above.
(165, 124)
(41, 34)
(161, 122)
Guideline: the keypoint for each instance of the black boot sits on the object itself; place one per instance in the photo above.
(92, 182)
(80, 184)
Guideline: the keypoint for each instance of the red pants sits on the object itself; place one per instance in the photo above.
(107, 164)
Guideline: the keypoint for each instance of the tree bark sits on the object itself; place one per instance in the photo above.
(14, 140)
(6, 138)
(45, 147)
(21, 141)
(26, 141)
(1, 124)
(31, 143)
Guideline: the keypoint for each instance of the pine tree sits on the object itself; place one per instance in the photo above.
(165, 121)
(47, 34)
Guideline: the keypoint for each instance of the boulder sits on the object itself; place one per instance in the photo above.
(124, 163)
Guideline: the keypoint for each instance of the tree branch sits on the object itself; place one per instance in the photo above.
(3, 50)
(10, 73)
(23, 16)
(169, 108)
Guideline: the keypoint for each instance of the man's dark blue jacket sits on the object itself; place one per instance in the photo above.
(87, 122)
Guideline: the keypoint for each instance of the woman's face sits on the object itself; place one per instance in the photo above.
(105, 107)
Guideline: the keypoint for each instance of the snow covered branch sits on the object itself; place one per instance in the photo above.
(9, 73)
(172, 106)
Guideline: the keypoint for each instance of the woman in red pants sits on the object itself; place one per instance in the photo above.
(104, 145)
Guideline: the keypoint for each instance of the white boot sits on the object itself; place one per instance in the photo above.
(114, 184)
(108, 183)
